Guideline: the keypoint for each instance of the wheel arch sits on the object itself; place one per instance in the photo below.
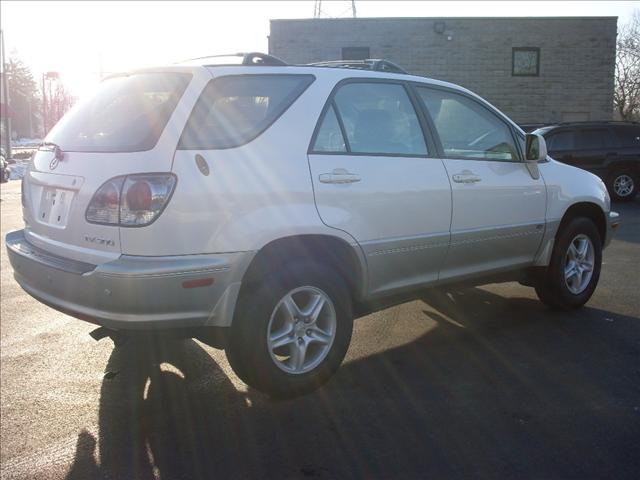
(325, 249)
(589, 210)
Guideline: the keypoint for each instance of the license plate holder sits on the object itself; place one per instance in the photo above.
(55, 205)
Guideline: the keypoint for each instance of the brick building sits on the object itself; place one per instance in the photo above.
(536, 70)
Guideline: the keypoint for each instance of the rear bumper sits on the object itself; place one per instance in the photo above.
(133, 292)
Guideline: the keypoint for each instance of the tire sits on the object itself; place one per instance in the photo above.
(263, 313)
(560, 292)
(622, 184)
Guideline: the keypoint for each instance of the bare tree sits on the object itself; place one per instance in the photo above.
(626, 97)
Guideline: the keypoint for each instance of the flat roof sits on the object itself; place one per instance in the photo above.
(440, 18)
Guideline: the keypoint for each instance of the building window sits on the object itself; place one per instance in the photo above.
(526, 62)
(355, 53)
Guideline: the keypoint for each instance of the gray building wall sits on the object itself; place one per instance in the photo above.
(577, 57)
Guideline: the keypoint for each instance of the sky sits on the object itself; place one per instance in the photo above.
(81, 39)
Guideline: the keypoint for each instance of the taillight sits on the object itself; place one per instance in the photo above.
(105, 204)
(144, 197)
(131, 201)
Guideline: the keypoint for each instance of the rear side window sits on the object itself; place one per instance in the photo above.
(592, 139)
(561, 141)
(378, 119)
(234, 110)
(330, 138)
(629, 136)
(467, 129)
(128, 113)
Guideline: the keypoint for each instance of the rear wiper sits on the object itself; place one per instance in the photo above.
(57, 151)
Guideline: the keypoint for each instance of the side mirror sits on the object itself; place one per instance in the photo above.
(535, 147)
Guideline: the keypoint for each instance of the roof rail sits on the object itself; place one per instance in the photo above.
(257, 58)
(376, 64)
(211, 56)
(251, 58)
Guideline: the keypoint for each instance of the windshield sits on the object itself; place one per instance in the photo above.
(126, 114)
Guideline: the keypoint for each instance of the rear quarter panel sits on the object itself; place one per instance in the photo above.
(254, 193)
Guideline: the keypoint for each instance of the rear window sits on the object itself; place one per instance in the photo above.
(235, 109)
(127, 114)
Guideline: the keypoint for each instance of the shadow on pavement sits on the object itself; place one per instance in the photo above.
(499, 388)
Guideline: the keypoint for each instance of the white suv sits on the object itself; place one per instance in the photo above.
(261, 207)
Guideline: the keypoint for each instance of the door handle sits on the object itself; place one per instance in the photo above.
(466, 177)
(338, 176)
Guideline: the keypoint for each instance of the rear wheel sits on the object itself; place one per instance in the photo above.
(622, 185)
(292, 330)
(574, 270)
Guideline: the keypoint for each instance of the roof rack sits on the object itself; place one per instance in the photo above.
(257, 58)
(376, 64)
(264, 59)
(250, 58)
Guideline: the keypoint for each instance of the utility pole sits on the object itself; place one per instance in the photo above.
(44, 109)
(4, 99)
(30, 118)
(47, 109)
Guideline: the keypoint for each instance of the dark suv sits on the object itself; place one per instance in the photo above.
(611, 150)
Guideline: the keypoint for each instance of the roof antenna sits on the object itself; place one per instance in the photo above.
(318, 12)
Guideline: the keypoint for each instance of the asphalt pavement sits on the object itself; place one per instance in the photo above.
(467, 383)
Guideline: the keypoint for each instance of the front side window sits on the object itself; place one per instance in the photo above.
(379, 118)
(235, 109)
(128, 113)
(467, 129)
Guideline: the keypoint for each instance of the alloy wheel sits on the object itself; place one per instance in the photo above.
(579, 264)
(623, 185)
(301, 330)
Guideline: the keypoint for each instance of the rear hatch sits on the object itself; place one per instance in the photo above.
(130, 125)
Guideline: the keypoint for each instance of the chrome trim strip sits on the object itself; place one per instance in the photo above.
(161, 275)
(495, 237)
(399, 244)
(57, 180)
(412, 248)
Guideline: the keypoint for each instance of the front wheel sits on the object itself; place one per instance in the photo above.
(574, 270)
(292, 330)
